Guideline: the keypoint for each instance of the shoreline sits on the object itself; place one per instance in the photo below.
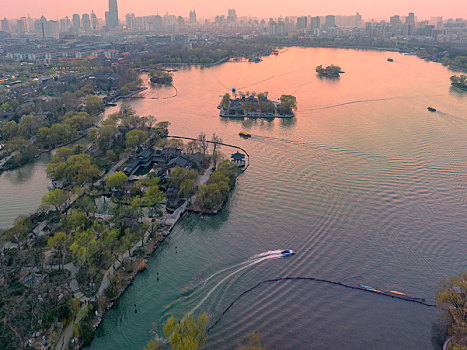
(127, 267)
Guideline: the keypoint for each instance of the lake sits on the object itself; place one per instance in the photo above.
(364, 183)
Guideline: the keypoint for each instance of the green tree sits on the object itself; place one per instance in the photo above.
(152, 345)
(79, 121)
(452, 299)
(288, 104)
(9, 130)
(178, 175)
(225, 103)
(74, 168)
(116, 180)
(94, 105)
(187, 334)
(135, 138)
(187, 188)
(459, 81)
(55, 198)
(59, 242)
(19, 232)
(154, 196)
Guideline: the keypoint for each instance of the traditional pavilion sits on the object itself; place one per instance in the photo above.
(238, 158)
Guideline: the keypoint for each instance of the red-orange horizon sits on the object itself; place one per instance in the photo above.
(259, 8)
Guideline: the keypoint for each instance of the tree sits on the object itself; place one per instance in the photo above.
(160, 77)
(187, 188)
(79, 121)
(154, 196)
(288, 104)
(9, 130)
(215, 144)
(19, 232)
(459, 81)
(94, 105)
(452, 299)
(59, 242)
(192, 147)
(55, 198)
(225, 103)
(74, 168)
(187, 334)
(178, 175)
(135, 138)
(152, 345)
(116, 180)
(74, 220)
(209, 196)
(203, 144)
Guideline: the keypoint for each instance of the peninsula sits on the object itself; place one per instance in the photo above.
(254, 105)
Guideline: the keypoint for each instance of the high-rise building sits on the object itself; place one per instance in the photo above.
(358, 19)
(112, 15)
(22, 25)
(315, 22)
(410, 19)
(46, 29)
(302, 23)
(232, 16)
(5, 26)
(94, 21)
(86, 22)
(330, 21)
(65, 24)
(76, 22)
(192, 16)
(395, 20)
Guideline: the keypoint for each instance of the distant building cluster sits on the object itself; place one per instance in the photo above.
(86, 35)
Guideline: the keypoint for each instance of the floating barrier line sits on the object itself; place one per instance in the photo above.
(395, 296)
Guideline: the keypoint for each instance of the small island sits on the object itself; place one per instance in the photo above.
(257, 106)
(459, 81)
(160, 77)
(331, 71)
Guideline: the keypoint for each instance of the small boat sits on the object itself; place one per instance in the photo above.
(431, 109)
(288, 252)
(390, 60)
(371, 289)
(396, 292)
(244, 134)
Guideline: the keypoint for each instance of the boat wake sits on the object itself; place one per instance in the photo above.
(191, 293)
(254, 260)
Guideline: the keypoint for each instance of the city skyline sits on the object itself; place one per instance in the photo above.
(206, 9)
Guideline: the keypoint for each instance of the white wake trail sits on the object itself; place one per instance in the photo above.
(271, 255)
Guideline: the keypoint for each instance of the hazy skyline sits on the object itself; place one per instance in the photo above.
(258, 8)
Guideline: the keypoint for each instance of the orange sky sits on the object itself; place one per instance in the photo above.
(378, 9)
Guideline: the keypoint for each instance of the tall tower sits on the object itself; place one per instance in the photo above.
(113, 14)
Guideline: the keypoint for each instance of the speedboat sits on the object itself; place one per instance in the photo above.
(431, 109)
(244, 134)
(287, 252)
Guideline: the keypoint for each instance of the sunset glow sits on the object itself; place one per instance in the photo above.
(260, 8)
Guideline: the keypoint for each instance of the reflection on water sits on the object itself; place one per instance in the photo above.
(365, 184)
